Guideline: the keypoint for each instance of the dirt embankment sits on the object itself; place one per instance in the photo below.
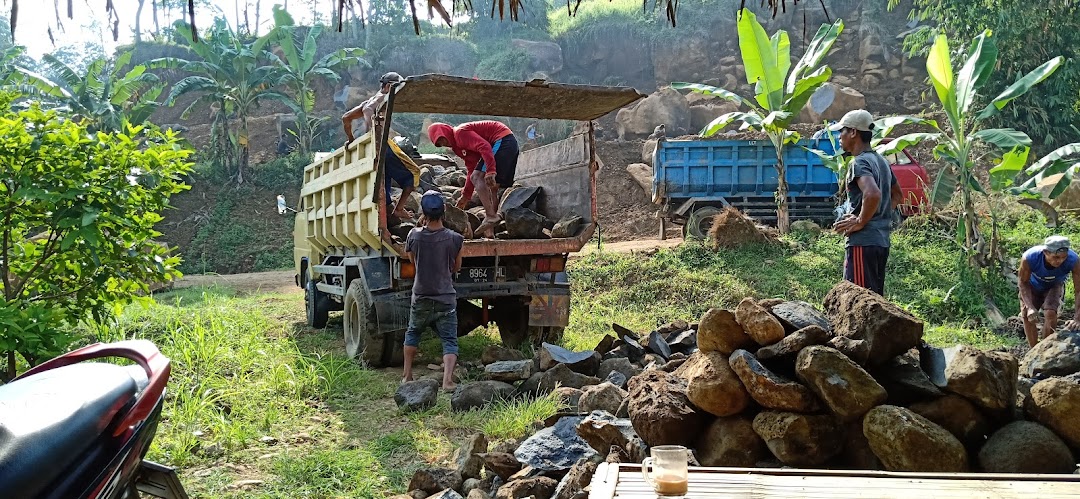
(626, 212)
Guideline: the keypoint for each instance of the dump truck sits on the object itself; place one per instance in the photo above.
(347, 259)
(694, 179)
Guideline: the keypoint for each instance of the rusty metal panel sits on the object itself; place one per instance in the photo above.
(442, 94)
(549, 310)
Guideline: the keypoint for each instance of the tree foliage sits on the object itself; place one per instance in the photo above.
(78, 211)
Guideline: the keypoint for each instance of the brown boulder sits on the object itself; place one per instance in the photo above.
(958, 416)
(1056, 355)
(502, 464)
(703, 114)
(905, 441)
(712, 385)
(794, 342)
(602, 431)
(857, 453)
(769, 389)
(661, 411)
(433, 480)
(1055, 402)
(846, 388)
(718, 331)
(664, 107)
(540, 486)
(800, 439)
(758, 323)
(905, 380)
(731, 441)
(1025, 447)
(988, 379)
(467, 457)
(860, 314)
(496, 353)
(603, 397)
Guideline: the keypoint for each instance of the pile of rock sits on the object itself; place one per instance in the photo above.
(518, 206)
(778, 383)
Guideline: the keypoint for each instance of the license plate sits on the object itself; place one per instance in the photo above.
(481, 274)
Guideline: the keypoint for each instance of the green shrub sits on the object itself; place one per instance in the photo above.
(504, 64)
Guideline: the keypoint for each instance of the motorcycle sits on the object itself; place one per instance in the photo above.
(76, 429)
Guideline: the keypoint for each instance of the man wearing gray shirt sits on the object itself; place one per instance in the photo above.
(436, 254)
(874, 194)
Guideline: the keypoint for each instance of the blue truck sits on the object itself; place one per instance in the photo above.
(693, 180)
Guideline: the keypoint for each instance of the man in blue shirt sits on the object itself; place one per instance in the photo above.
(1043, 271)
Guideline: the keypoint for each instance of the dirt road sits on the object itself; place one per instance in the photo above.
(281, 281)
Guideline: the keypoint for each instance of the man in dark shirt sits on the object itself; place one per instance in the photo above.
(436, 254)
(1043, 272)
(874, 194)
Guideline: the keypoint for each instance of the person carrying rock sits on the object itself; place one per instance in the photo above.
(874, 194)
(490, 152)
(436, 254)
(1043, 271)
(398, 166)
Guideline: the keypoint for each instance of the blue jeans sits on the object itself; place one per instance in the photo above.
(425, 313)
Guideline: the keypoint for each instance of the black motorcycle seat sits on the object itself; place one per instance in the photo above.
(49, 420)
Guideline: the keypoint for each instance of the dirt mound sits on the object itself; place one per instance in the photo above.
(732, 229)
(626, 212)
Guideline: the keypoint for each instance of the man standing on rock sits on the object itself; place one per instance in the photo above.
(874, 194)
(436, 255)
(1043, 271)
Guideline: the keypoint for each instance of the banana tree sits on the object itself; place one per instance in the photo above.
(966, 145)
(299, 69)
(780, 91)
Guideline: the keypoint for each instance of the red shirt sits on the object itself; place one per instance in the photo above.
(473, 141)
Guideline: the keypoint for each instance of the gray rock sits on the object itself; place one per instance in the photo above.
(531, 386)
(800, 439)
(661, 411)
(683, 341)
(712, 385)
(847, 389)
(762, 326)
(576, 481)
(469, 485)
(561, 375)
(509, 371)
(467, 457)
(540, 486)
(986, 378)
(796, 315)
(417, 395)
(570, 397)
(567, 227)
(1023, 395)
(556, 448)
(905, 380)
(634, 350)
(857, 453)
(602, 397)
(585, 362)
(658, 345)
(523, 223)
(446, 494)
(1026, 447)
(769, 389)
(456, 220)
(621, 365)
(501, 464)
(857, 350)
(602, 430)
(905, 441)
(478, 494)
(731, 441)
(794, 342)
(496, 353)
(616, 378)
(958, 416)
(673, 327)
(518, 197)
(435, 480)
(1056, 355)
(479, 394)
(718, 331)
(1055, 402)
(860, 314)
(605, 345)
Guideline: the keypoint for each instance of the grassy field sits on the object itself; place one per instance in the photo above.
(261, 406)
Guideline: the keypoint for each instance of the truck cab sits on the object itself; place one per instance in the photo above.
(347, 259)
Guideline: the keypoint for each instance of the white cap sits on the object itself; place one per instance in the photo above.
(859, 119)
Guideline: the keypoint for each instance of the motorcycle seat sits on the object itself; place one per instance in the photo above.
(49, 420)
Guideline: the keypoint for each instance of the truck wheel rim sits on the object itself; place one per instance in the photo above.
(354, 341)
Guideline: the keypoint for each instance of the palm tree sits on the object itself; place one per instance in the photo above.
(299, 69)
(105, 96)
(229, 74)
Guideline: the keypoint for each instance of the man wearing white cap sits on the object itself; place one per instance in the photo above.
(874, 194)
(1043, 271)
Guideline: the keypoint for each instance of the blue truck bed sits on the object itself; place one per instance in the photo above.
(692, 174)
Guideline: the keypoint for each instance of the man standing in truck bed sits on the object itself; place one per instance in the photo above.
(874, 194)
(435, 252)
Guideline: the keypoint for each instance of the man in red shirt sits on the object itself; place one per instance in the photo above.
(490, 152)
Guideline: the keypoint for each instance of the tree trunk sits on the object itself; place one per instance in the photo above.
(242, 141)
(157, 27)
(258, 17)
(783, 222)
(138, 21)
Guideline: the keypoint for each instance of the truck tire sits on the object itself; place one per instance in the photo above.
(361, 332)
(317, 304)
(700, 221)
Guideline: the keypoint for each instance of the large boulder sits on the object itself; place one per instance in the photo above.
(561, 375)
(718, 331)
(509, 371)
(795, 315)
(523, 223)
(556, 448)
(417, 395)
(863, 315)
(468, 457)
(731, 441)
(496, 353)
(665, 107)
(905, 441)
(712, 385)
(434, 480)
(703, 114)
(904, 379)
(544, 57)
(758, 323)
(794, 342)
(648, 149)
(661, 411)
(830, 102)
(1056, 355)
(586, 362)
(456, 220)
(502, 464)
(769, 389)
(479, 394)
(1055, 402)
(602, 430)
(576, 481)
(958, 416)
(539, 486)
(1025, 447)
(642, 174)
(622, 365)
(986, 378)
(800, 439)
(602, 397)
(846, 388)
